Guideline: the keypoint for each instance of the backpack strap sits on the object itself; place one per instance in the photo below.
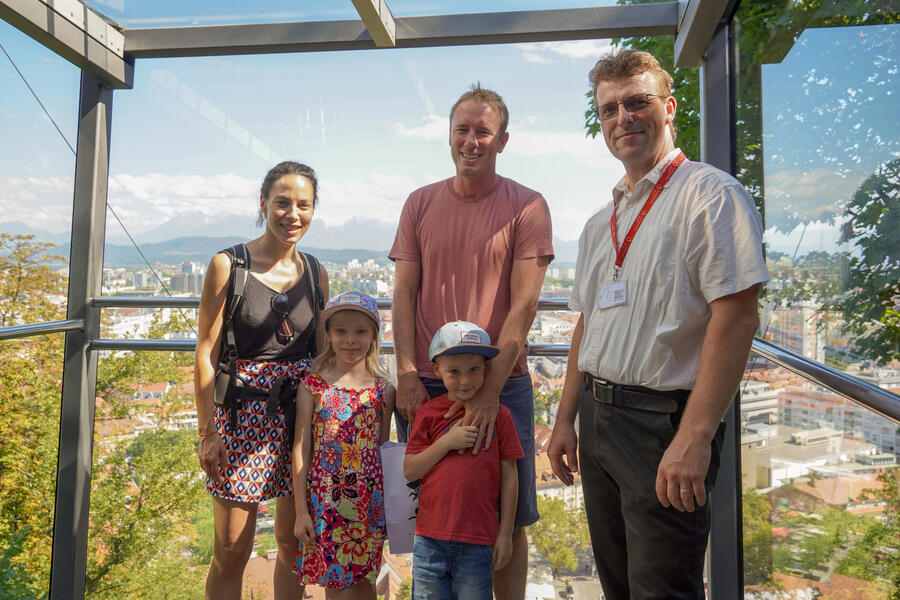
(237, 281)
(311, 267)
(311, 263)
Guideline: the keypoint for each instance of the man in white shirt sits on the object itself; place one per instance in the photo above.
(666, 282)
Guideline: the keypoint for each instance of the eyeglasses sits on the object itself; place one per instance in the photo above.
(285, 331)
(632, 104)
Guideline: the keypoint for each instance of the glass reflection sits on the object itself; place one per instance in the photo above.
(818, 130)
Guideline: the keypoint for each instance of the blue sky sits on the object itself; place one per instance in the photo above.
(194, 137)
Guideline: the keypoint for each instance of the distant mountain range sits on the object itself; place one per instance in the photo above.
(177, 241)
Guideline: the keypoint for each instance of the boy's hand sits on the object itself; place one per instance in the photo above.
(304, 530)
(502, 551)
(460, 436)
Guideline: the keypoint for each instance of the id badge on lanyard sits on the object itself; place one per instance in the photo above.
(614, 293)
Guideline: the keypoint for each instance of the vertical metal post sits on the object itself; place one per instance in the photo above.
(76, 426)
(726, 570)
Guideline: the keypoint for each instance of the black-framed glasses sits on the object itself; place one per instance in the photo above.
(631, 104)
(284, 333)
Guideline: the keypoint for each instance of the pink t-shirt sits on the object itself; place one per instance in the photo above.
(460, 496)
(466, 248)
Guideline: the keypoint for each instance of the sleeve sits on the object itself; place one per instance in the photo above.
(510, 447)
(419, 438)
(534, 230)
(406, 242)
(724, 246)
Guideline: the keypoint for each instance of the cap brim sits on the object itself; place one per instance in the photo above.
(330, 311)
(488, 352)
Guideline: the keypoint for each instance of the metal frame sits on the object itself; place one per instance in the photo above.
(379, 21)
(84, 37)
(76, 427)
(79, 34)
(726, 560)
(411, 32)
(698, 24)
(21, 331)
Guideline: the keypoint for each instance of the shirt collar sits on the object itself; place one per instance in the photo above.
(647, 181)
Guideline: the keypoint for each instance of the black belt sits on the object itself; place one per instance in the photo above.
(635, 396)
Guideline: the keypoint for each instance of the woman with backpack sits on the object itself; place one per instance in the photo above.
(259, 325)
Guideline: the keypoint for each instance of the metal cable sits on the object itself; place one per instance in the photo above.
(108, 205)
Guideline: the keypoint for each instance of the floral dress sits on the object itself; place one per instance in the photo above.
(345, 489)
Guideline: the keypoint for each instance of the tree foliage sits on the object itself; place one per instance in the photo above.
(559, 533)
(871, 303)
(757, 527)
(30, 372)
(875, 555)
(145, 487)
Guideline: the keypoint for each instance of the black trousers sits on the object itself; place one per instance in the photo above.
(643, 550)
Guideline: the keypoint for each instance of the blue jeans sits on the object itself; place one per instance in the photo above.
(518, 396)
(445, 570)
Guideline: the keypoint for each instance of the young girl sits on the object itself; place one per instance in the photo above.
(343, 416)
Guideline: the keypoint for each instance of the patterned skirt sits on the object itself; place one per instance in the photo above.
(257, 450)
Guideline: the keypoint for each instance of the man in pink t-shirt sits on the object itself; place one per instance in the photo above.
(475, 247)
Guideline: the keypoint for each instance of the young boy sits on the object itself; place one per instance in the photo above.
(458, 531)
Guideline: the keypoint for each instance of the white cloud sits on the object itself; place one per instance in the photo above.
(378, 197)
(147, 201)
(591, 152)
(819, 184)
(550, 52)
(433, 128)
(44, 203)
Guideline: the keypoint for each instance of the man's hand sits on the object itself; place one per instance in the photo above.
(481, 411)
(563, 451)
(460, 436)
(502, 551)
(411, 395)
(211, 452)
(305, 530)
(682, 472)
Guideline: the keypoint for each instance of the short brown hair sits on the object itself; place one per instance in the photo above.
(485, 96)
(619, 64)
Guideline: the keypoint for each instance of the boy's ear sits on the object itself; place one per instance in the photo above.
(436, 368)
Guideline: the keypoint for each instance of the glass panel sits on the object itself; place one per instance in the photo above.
(415, 8)
(818, 127)
(36, 186)
(194, 138)
(189, 13)
(178, 13)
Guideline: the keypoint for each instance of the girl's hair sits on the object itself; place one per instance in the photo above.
(327, 357)
(287, 167)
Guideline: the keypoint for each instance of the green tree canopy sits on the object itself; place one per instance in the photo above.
(559, 533)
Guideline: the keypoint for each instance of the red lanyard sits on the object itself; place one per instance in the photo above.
(657, 189)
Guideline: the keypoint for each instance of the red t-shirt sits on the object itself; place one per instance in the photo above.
(466, 248)
(460, 496)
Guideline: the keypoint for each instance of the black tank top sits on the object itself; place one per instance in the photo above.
(255, 322)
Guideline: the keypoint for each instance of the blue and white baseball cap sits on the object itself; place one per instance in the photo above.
(461, 337)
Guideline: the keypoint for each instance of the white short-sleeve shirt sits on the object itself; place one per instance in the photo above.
(701, 240)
